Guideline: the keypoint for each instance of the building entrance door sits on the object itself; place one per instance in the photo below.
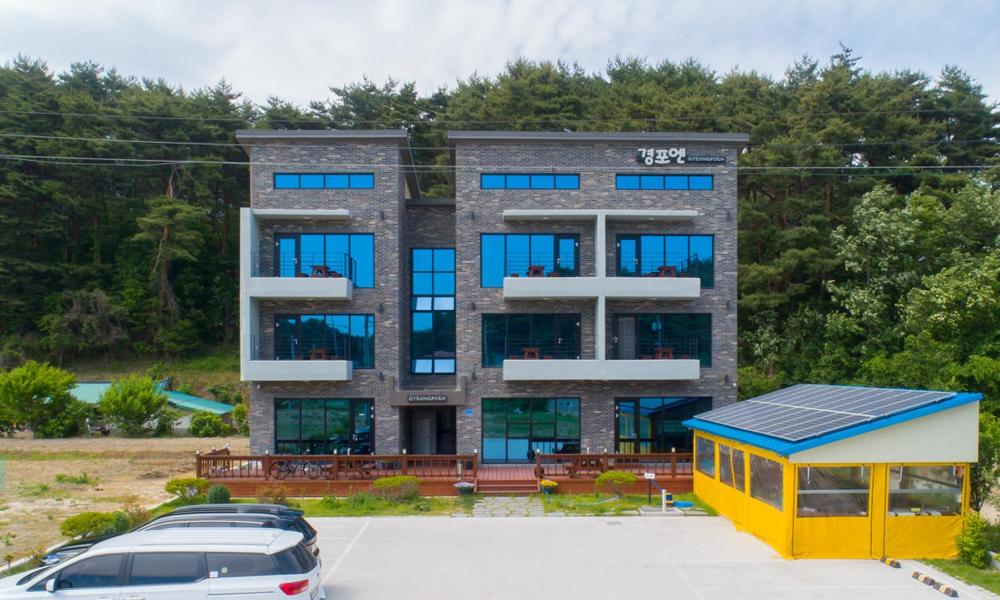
(429, 430)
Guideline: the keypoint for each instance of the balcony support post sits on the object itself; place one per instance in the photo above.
(600, 270)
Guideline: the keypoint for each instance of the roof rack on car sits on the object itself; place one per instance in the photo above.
(267, 509)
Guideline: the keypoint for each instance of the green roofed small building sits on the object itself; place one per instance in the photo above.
(91, 392)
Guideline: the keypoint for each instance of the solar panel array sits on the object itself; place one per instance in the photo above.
(808, 410)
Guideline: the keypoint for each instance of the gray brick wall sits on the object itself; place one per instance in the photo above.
(397, 229)
(481, 211)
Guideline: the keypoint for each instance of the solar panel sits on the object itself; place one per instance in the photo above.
(808, 410)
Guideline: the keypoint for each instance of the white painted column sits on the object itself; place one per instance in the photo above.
(600, 270)
(249, 321)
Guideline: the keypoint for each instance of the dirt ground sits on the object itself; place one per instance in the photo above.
(33, 502)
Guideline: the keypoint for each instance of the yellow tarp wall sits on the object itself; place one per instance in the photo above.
(874, 536)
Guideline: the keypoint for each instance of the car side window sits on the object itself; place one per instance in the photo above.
(166, 568)
(96, 572)
(240, 564)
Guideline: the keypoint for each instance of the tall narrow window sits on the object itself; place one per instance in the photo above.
(432, 333)
(655, 424)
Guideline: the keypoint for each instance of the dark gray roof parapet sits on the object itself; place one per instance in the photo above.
(735, 139)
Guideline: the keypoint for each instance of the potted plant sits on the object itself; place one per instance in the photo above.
(548, 486)
(464, 488)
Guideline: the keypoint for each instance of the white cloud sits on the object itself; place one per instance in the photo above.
(297, 49)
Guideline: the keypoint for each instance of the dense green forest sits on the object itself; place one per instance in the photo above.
(869, 208)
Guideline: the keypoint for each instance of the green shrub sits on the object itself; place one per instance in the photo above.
(399, 488)
(362, 500)
(217, 494)
(616, 482)
(206, 424)
(120, 522)
(331, 502)
(187, 488)
(88, 524)
(80, 479)
(241, 419)
(37, 395)
(972, 547)
(273, 493)
(135, 405)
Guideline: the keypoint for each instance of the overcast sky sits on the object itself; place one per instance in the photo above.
(296, 49)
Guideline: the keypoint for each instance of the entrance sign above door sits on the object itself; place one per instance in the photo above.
(427, 398)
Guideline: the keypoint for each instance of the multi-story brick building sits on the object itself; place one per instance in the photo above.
(577, 294)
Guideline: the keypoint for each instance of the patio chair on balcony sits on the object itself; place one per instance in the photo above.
(664, 353)
(665, 271)
(536, 271)
(531, 353)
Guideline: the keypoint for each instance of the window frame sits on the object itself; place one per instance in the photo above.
(663, 317)
(689, 402)
(298, 317)
(507, 317)
(781, 482)
(640, 271)
(556, 254)
(961, 490)
(867, 472)
(436, 314)
(278, 237)
(700, 461)
(531, 438)
(57, 575)
(530, 181)
(658, 182)
(352, 411)
(366, 180)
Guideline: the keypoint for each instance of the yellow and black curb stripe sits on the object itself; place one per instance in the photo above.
(891, 562)
(945, 589)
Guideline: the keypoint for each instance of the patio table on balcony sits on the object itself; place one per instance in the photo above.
(324, 271)
(665, 271)
(536, 271)
(664, 353)
(531, 353)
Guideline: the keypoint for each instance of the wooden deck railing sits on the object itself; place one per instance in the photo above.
(219, 466)
(589, 466)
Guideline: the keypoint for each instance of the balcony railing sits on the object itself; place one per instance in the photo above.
(539, 265)
(308, 265)
(691, 266)
(666, 348)
(590, 466)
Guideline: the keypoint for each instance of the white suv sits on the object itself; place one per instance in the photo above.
(180, 564)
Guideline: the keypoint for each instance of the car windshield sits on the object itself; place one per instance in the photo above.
(33, 573)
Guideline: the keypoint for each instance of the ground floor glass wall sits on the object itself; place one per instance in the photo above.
(654, 424)
(515, 429)
(323, 426)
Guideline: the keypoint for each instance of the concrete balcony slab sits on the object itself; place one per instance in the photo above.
(601, 370)
(298, 370)
(303, 288)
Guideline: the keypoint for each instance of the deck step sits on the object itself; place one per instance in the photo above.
(507, 487)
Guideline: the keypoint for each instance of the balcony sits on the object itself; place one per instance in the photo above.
(297, 370)
(304, 278)
(617, 288)
(601, 370)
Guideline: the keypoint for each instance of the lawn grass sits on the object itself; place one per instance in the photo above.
(605, 504)
(367, 505)
(985, 578)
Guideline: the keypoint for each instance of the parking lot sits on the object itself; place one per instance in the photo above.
(588, 558)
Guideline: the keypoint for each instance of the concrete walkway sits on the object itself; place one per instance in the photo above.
(508, 506)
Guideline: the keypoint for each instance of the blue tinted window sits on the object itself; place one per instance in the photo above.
(543, 182)
(701, 182)
(567, 182)
(667, 256)
(517, 182)
(364, 181)
(423, 259)
(337, 182)
(491, 265)
(310, 181)
(444, 259)
(492, 182)
(676, 182)
(363, 253)
(285, 181)
(627, 182)
(651, 182)
(423, 284)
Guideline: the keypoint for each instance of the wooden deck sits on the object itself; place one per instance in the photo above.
(341, 475)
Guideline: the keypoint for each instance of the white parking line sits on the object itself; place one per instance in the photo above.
(343, 554)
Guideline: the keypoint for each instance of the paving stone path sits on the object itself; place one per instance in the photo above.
(510, 506)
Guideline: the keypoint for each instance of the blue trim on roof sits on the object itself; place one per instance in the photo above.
(91, 392)
(786, 448)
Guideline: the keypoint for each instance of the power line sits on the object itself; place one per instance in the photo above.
(112, 161)
(984, 141)
(550, 121)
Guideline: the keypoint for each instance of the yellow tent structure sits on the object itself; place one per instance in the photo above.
(824, 471)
